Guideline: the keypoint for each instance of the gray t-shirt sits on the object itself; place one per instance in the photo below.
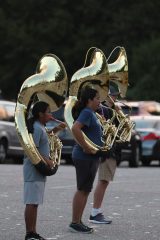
(40, 138)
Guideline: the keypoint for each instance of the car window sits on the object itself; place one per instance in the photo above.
(3, 113)
(134, 110)
(145, 123)
(131, 111)
(158, 125)
(7, 112)
(10, 109)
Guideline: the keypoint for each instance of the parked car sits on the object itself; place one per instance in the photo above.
(149, 129)
(129, 151)
(9, 143)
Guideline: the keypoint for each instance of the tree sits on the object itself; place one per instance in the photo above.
(68, 29)
(145, 78)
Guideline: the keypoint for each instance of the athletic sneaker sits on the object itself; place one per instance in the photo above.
(80, 228)
(89, 228)
(33, 236)
(40, 237)
(99, 219)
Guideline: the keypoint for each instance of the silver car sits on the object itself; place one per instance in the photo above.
(9, 143)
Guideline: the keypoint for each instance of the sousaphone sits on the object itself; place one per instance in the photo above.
(96, 74)
(49, 84)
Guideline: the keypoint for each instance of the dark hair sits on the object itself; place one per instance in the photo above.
(37, 108)
(87, 92)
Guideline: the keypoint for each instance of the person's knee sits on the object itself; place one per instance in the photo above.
(84, 192)
(103, 183)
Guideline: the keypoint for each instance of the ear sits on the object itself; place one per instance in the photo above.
(41, 114)
(89, 100)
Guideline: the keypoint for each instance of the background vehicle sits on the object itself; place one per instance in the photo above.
(149, 129)
(9, 143)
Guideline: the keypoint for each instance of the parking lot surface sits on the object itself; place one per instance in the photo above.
(132, 202)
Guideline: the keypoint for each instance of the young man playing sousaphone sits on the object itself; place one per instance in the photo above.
(106, 168)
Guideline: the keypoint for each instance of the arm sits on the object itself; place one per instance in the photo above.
(58, 128)
(48, 162)
(77, 132)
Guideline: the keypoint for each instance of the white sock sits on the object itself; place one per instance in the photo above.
(95, 211)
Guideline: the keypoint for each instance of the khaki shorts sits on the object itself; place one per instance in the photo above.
(107, 170)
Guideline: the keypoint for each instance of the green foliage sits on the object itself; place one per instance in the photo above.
(145, 78)
(68, 28)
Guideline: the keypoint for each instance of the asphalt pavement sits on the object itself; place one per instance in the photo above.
(132, 202)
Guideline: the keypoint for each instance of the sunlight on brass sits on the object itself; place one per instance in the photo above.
(96, 73)
(118, 72)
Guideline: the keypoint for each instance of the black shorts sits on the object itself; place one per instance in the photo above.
(85, 173)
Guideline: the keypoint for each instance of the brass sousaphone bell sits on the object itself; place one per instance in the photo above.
(119, 75)
(49, 84)
(118, 71)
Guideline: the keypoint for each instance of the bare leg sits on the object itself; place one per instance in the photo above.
(99, 193)
(30, 215)
(79, 203)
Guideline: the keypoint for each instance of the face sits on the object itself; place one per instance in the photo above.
(45, 117)
(95, 103)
